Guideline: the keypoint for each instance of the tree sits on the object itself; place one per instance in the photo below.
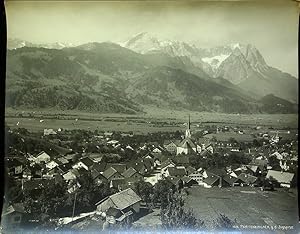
(51, 199)
(274, 163)
(256, 143)
(268, 184)
(144, 190)
(174, 216)
(214, 139)
(161, 190)
(90, 192)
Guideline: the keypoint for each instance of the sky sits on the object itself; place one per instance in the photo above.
(271, 26)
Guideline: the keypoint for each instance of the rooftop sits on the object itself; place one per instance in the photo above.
(123, 199)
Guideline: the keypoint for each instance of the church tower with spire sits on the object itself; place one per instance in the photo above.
(187, 146)
(188, 130)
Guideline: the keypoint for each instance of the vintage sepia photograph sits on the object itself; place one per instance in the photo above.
(139, 116)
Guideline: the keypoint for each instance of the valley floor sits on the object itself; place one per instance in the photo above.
(155, 120)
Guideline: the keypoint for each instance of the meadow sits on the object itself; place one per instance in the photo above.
(248, 206)
(154, 120)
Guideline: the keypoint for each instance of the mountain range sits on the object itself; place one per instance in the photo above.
(242, 65)
(146, 71)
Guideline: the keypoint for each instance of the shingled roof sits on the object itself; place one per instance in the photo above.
(175, 171)
(17, 207)
(167, 162)
(120, 200)
(119, 167)
(87, 161)
(211, 179)
(281, 177)
(129, 172)
(248, 179)
(230, 179)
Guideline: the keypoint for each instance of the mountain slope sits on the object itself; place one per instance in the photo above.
(48, 78)
(106, 77)
(277, 105)
(242, 65)
(168, 87)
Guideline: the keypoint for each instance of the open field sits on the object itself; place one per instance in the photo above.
(249, 206)
(152, 121)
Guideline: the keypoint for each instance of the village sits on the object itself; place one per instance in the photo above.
(70, 179)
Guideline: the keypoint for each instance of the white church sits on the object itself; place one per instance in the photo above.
(187, 145)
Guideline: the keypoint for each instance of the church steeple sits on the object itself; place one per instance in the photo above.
(188, 130)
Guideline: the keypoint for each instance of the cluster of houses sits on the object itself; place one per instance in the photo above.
(169, 161)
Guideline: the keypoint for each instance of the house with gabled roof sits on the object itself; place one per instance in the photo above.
(176, 172)
(97, 166)
(51, 164)
(62, 169)
(139, 166)
(124, 201)
(37, 170)
(231, 180)
(62, 160)
(197, 176)
(70, 175)
(205, 153)
(283, 178)
(253, 168)
(261, 163)
(245, 180)
(42, 157)
(149, 164)
(209, 147)
(166, 164)
(120, 167)
(98, 177)
(85, 162)
(211, 180)
(111, 173)
(80, 172)
(12, 216)
(49, 131)
(176, 181)
(158, 149)
(218, 171)
(190, 170)
(70, 157)
(188, 181)
(14, 166)
(132, 174)
(181, 160)
(171, 146)
(149, 155)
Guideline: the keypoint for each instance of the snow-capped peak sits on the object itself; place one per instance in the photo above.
(14, 43)
(235, 45)
(215, 61)
(147, 43)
